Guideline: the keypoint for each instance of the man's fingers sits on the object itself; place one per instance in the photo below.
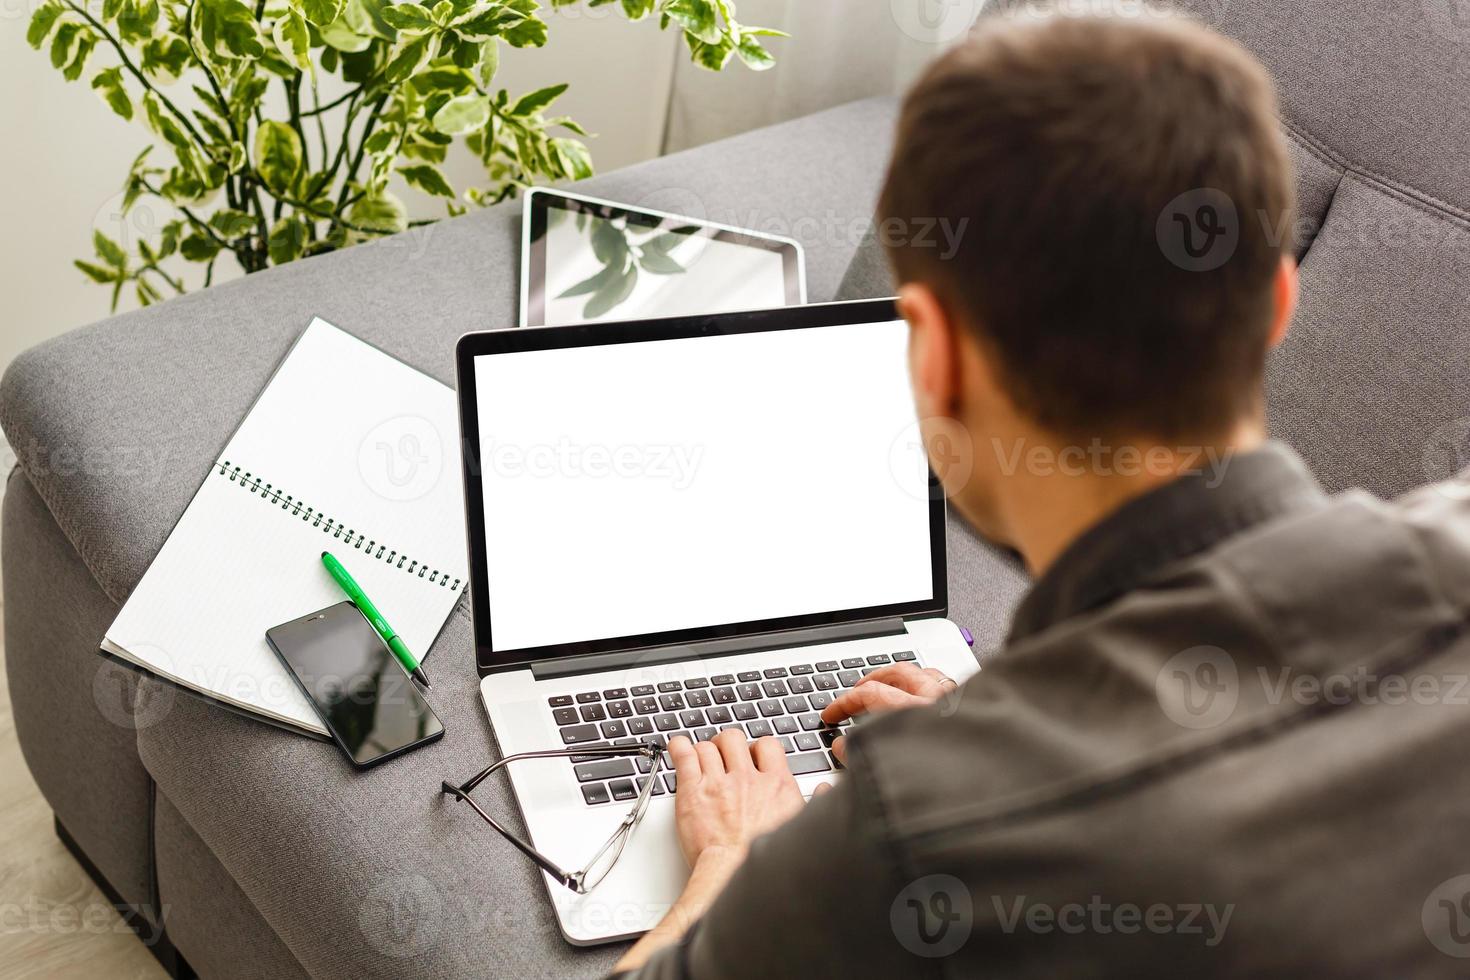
(710, 763)
(839, 749)
(925, 682)
(821, 788)
(769, 756)
(685, 759)
(865, 698)
(734, 750)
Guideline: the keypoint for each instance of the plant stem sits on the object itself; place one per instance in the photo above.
(177, 286)
(193, 218)
(133, 69)
(319, 109)
(367, 130)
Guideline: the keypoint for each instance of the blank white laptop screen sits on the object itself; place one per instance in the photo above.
(635, 488)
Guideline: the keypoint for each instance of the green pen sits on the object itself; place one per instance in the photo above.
(355, 593)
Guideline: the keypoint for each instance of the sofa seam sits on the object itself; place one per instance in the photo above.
(1326, 154)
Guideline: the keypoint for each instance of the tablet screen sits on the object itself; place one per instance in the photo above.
(590, 261)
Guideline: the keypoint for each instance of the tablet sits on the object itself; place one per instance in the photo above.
(584, 260)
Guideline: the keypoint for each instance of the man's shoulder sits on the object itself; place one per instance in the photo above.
(1164, 677)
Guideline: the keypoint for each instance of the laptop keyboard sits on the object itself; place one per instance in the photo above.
(785, 702)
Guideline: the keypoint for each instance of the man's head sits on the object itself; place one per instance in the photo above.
(1123, 198)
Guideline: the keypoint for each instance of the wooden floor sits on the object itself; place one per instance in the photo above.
(54, 923)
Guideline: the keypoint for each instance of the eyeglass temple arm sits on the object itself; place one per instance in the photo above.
(542, 861)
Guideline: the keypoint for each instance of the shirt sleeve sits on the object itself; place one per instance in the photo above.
(812, 899)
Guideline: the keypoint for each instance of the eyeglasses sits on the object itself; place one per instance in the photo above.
(597, 869)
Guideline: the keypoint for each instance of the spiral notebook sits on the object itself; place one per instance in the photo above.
(347, 450)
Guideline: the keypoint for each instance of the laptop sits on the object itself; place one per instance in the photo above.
(678, 525)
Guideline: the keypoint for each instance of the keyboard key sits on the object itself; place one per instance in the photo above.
(746, 676)
(611, 769)
(697, 699)
(589, 697)
(800, 685)
(622, 789)
(642, 690)
(591, 758)
(826, 666)
(770, 709)
(704, 734)
(723, 695)
(785, 725)
(595, 794)
(904, 655)
(722, 680)
(559, 701)
(619, 709)
(565, 716)
(748, 692)
(800, 764)
(774, 689)
(852, 662)
(614, 729)
(658, 787)
(719, 715)
(795, 704)
(577, 734)
(671, 702)
(671, 781)
(771, 672)
(820, 700)
(825, 682)
(868, 670)
(848, 678)
(759, 729)
(645, 706)
(836, 762)
(787, 745)
(810, 722)
(694, 682)
(801, 669)
(644, 763)
(830, 735)
(808, 741)
(665, 723)
(743, 711)
(639, 726)
(879, 658)
(593, 712)
(669, 687)
(691, 718)
(616, 694)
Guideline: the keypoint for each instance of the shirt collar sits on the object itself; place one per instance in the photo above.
(1185, 517)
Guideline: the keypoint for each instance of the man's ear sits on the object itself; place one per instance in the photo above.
(1285, 289)
(933, 358)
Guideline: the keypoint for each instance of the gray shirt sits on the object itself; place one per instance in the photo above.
(1229, 733)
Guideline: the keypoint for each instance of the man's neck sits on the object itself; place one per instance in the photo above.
(1047, 507)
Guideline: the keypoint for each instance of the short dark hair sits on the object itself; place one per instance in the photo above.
(1063, 145)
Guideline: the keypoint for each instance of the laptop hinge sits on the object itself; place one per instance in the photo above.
(595, 662)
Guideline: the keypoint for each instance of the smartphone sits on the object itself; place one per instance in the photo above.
(371, 706)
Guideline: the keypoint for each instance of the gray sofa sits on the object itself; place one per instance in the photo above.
(248, 851)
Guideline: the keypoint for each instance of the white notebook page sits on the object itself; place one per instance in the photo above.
(344, 439)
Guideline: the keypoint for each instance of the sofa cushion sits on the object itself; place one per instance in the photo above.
(116, 424)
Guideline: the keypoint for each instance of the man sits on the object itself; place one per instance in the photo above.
(1222, 735)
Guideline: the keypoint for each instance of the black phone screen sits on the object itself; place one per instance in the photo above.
(364, 696)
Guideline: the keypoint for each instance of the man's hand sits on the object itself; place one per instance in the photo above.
(885, 689)
(730, 792)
